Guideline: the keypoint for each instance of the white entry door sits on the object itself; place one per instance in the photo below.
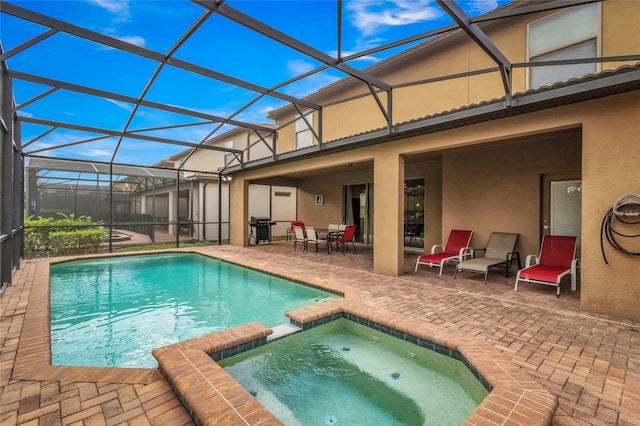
(565, 209)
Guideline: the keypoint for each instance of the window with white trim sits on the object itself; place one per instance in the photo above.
(228, 157)
(304, 136)
(572, 34)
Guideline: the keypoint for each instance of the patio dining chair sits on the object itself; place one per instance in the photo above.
(499, 252)
(298, 232)
(556, 259)
(347, 237)
(312, 238)
(290, 231)
(333, 232)
(456, 249)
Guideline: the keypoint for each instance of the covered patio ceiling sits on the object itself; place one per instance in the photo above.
(50, 132)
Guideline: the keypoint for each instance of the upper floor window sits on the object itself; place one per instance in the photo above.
(572, 34)
(304, 136)
(228, 157)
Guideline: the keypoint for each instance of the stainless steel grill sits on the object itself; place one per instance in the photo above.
(262, 227)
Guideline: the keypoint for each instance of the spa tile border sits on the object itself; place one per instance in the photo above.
(210, 394)
(206, 390)
(514, 397)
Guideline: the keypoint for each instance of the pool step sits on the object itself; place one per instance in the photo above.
(207, 391)
(282, 331)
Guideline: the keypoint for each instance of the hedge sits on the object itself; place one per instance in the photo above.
(69, 235)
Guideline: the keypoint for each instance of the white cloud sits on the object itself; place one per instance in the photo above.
(120, 8)
(370, 17)
(482, 6)
(122, 14)
(298, 66)
(98, 154)
(125, 106)
(365, 58)
(137, 40)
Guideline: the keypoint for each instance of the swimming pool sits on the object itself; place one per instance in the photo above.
(345, 373)
(114, 311)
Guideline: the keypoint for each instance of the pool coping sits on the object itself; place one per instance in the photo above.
(514, 398)
(211, 395)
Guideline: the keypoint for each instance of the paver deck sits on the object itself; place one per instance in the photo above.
(590, 362)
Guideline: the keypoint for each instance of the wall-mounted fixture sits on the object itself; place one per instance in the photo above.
(319, 199)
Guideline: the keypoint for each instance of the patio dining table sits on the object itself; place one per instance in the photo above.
(329, 235)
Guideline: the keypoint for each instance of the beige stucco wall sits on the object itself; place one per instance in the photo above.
(611, 168)
(498, 188)
(331, 190)
(619, 20)
(207, 160)
(487, 176)
(501, 184)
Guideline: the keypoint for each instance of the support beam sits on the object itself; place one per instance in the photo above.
(274, 34)
(115, 43)
(118, 133)
(130, 100)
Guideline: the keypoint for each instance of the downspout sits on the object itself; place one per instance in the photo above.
(177, 208)
(203, 213)
(219, 208)
(110, 207)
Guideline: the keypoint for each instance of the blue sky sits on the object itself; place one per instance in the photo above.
(219, 44)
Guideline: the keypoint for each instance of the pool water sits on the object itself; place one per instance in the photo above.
(343, 373)
(113, 312)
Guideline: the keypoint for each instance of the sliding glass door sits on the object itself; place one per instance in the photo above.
(358, 210)
(414, 213)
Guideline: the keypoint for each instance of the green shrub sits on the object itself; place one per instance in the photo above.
(69, 235)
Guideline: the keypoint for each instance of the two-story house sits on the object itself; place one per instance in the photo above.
(525, 121)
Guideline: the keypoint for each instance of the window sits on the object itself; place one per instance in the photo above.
(304, 136)
(228, 157)
(568, 35)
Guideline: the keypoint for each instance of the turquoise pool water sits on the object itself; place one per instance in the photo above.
(114, 311)
(343, 373)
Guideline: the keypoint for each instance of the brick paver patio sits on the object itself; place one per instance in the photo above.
(590, 362)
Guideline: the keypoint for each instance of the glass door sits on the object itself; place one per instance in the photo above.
(562, 208)
(414, 213)
(358, 210)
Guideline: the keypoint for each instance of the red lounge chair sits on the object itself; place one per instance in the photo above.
(557, 259)
(455, 249)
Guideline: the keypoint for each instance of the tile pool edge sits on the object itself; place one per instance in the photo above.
(211, 395)
(514, 397)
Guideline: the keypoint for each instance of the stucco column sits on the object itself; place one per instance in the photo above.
(239, 212)
(610, 155)
(388, 207)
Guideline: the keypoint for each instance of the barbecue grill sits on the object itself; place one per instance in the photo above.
(262, 225)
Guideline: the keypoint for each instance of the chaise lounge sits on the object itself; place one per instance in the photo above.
(499, 252)
(455, 249)
(556, 259)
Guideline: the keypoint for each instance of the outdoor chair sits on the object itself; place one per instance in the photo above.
(499, 252)
(556, 259)
(298, 232)
(347, 237)
(412, 232)
(312, 238)
(455, 249)
(290, 228)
